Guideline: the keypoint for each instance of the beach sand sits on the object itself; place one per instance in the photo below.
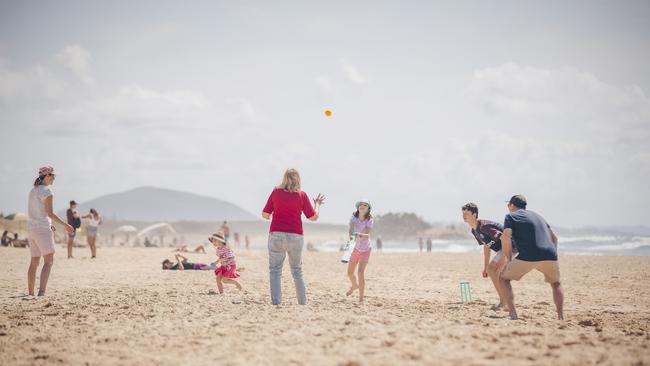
(121, 308)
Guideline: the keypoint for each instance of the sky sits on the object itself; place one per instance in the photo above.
(435, 104)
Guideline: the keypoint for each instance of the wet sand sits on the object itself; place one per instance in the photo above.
(121, 308)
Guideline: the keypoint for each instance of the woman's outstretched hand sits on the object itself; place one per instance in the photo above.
(319, 200)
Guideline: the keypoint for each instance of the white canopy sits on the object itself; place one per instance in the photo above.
(158, 229)
(126, 229)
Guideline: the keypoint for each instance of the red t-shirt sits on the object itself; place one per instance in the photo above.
(286, 208)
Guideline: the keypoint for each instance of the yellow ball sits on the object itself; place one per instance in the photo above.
(328, 112)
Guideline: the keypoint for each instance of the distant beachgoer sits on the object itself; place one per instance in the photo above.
(227, 271)
(74, 220)
(182, 264)
(225, 229)
(421, 244)
(361, 224)
(380, 243)
(236, 237)
(19, 243)
(488, 234)
(6, 239)
(429, 245)
(284, 207)
(186, 249)
(40, 230)
(94, 220)
(247, 242)
(537, 245)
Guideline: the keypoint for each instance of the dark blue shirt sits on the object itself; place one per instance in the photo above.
(488, 232)
(532, 235)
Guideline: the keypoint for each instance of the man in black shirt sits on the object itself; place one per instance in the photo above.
(537, 245)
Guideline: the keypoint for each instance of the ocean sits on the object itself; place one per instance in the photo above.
(578, 245)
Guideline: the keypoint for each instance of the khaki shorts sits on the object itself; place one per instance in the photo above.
(516, 269)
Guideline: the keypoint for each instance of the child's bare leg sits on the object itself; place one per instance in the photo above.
(362, 280)
(232, 281)
(220, 283)
(353, 279)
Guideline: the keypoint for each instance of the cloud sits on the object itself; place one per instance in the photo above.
(325, 84)
(77, 60)
(352, 74)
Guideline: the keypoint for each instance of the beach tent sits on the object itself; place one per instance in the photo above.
(159, 230)
(125, 230)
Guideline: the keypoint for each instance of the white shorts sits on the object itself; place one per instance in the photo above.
(500, 256)
(41, 241)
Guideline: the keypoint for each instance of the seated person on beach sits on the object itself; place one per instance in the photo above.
(183, 264)
(6, 240)
(19, 243)
(186, 249)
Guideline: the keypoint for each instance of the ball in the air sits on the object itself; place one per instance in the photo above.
(328, 113)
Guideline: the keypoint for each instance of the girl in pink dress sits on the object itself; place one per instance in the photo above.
(227, 271)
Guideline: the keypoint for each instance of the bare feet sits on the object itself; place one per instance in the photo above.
(513, 315)
(351, 290)
(499, 307)
(238, 286)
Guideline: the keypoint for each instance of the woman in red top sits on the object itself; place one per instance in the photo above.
(286, 204)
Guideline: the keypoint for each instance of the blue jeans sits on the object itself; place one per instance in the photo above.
(281, 244)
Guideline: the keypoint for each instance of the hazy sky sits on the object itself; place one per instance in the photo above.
(435, 104)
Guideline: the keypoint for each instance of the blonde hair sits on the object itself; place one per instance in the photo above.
(291, 181)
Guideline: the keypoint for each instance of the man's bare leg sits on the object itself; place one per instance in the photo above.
(509, 297)
(558, 299)
(493, 270)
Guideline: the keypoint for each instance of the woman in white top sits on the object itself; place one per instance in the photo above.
(40, 231)
(94, 220)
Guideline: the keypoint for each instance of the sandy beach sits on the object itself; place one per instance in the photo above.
(123, 309)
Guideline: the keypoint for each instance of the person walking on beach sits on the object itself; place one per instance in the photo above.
(236, 237)
(421, 244)
(94, 220)
(225, 229)
(360, 226)
(537, 245)
(429, 245)
(247, 242)
(72, 216)
(284, 207)
(380, 243)
(40, 231)
(488, 234)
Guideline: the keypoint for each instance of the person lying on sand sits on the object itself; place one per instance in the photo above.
(183, 264)
(186, 249)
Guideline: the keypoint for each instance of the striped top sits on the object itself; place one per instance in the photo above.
(226, 255)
